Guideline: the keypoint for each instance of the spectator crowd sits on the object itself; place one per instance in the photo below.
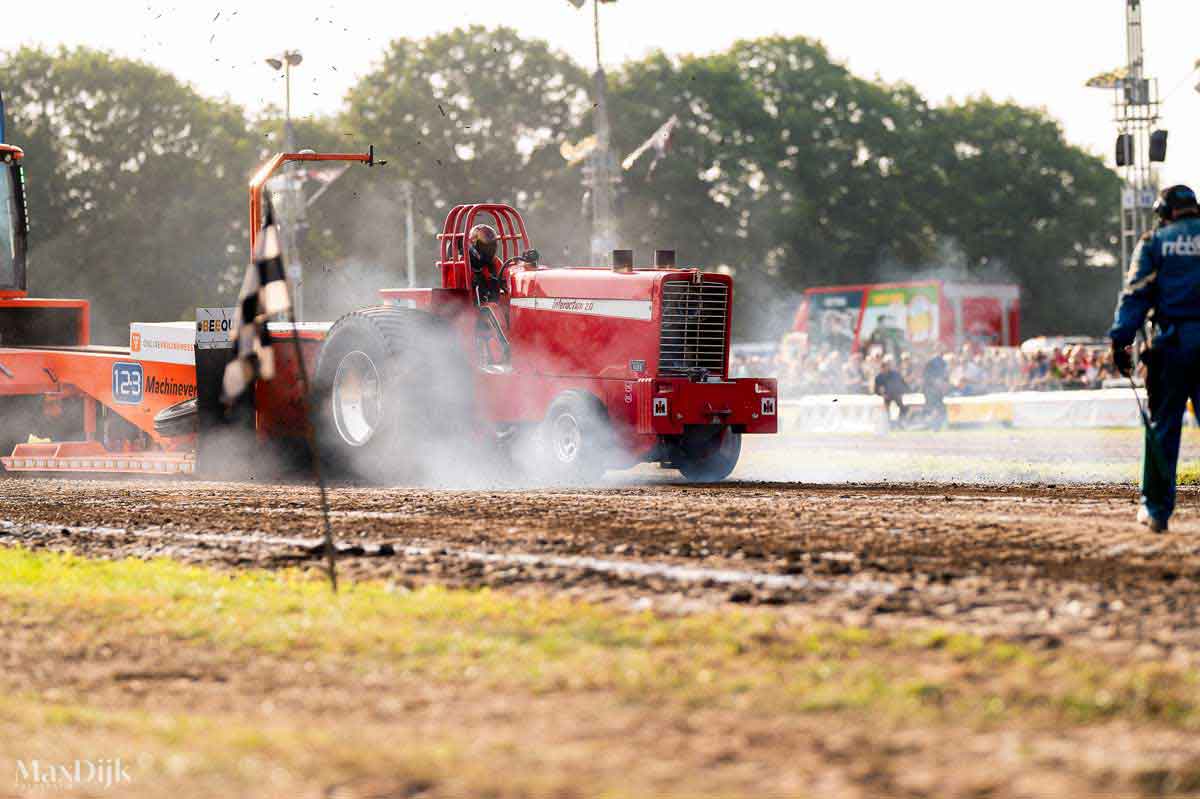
(970, 370)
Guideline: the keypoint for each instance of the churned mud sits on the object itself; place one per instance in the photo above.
(1029, 562)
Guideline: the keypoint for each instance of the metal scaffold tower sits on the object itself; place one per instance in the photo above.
(600, 173)
(1139, 143)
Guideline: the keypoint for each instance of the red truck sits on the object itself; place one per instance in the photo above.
(913, 315)
(567, 371)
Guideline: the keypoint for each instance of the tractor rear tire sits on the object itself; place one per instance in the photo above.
(574, 442)
(392, 396)
(711, 459)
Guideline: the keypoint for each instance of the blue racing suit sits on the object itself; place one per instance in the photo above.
(1164, 277)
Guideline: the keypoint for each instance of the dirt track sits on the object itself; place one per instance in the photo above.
(1031, 562)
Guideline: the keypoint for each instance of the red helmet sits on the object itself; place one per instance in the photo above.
(484, 239)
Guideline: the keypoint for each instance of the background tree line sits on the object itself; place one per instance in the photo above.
(785, 169)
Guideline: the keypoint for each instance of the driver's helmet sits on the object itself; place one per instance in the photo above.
(483, 240)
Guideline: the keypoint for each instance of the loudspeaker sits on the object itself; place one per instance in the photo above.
(1158, 145)
(1125, 149)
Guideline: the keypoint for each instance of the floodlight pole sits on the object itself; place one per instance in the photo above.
(296, 217)
(601, 174)
(289, 135)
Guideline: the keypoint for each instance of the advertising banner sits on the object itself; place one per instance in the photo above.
(163, 342)
(833, 316)
(213, 328)
(899, 319)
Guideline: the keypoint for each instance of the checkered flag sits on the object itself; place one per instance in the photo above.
(264, 295)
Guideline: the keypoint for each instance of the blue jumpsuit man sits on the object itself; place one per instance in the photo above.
(1164, 277)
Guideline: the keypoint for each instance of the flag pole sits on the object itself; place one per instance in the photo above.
(266, 284)
(314, 454)
(310, 439)
(315, 458)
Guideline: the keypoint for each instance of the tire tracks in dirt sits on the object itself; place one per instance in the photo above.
(1033, 563)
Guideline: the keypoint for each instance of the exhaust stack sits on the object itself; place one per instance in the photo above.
(622, 261)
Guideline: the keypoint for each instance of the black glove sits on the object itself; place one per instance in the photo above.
(1122, 359)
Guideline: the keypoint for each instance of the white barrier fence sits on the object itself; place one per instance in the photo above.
(826, 413)
(864, 413)
(1107, 407)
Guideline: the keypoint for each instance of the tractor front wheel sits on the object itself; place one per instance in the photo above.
(709, 458)
(574, 441)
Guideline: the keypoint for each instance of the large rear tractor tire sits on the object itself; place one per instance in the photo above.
(709, 458)
(392, 395)
(573, 443)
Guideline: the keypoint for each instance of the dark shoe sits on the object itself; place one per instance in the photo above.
(1155, 526)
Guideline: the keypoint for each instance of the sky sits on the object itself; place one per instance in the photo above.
(1038, 53)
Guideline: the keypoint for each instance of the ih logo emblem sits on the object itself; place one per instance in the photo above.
(127, 383)
(135, 342)
(768, 406)
(660, 406)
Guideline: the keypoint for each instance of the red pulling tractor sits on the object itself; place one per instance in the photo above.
(566, 371)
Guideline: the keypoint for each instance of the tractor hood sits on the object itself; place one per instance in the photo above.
(622, 325)
(599, 282)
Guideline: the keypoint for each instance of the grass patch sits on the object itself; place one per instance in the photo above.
(738, 659)
(603, 669)
(194, 755)
(1188, 474)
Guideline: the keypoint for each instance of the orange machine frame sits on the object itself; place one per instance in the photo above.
(89, 372)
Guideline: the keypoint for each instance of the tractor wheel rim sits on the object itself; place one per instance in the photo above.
(357, 399)
(568, 438)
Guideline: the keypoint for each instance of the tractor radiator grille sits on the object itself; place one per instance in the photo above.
(694, 317)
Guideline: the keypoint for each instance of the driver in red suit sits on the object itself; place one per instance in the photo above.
(485, 266)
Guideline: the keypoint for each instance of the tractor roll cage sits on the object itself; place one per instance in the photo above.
(453, 263)
(271, 167)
